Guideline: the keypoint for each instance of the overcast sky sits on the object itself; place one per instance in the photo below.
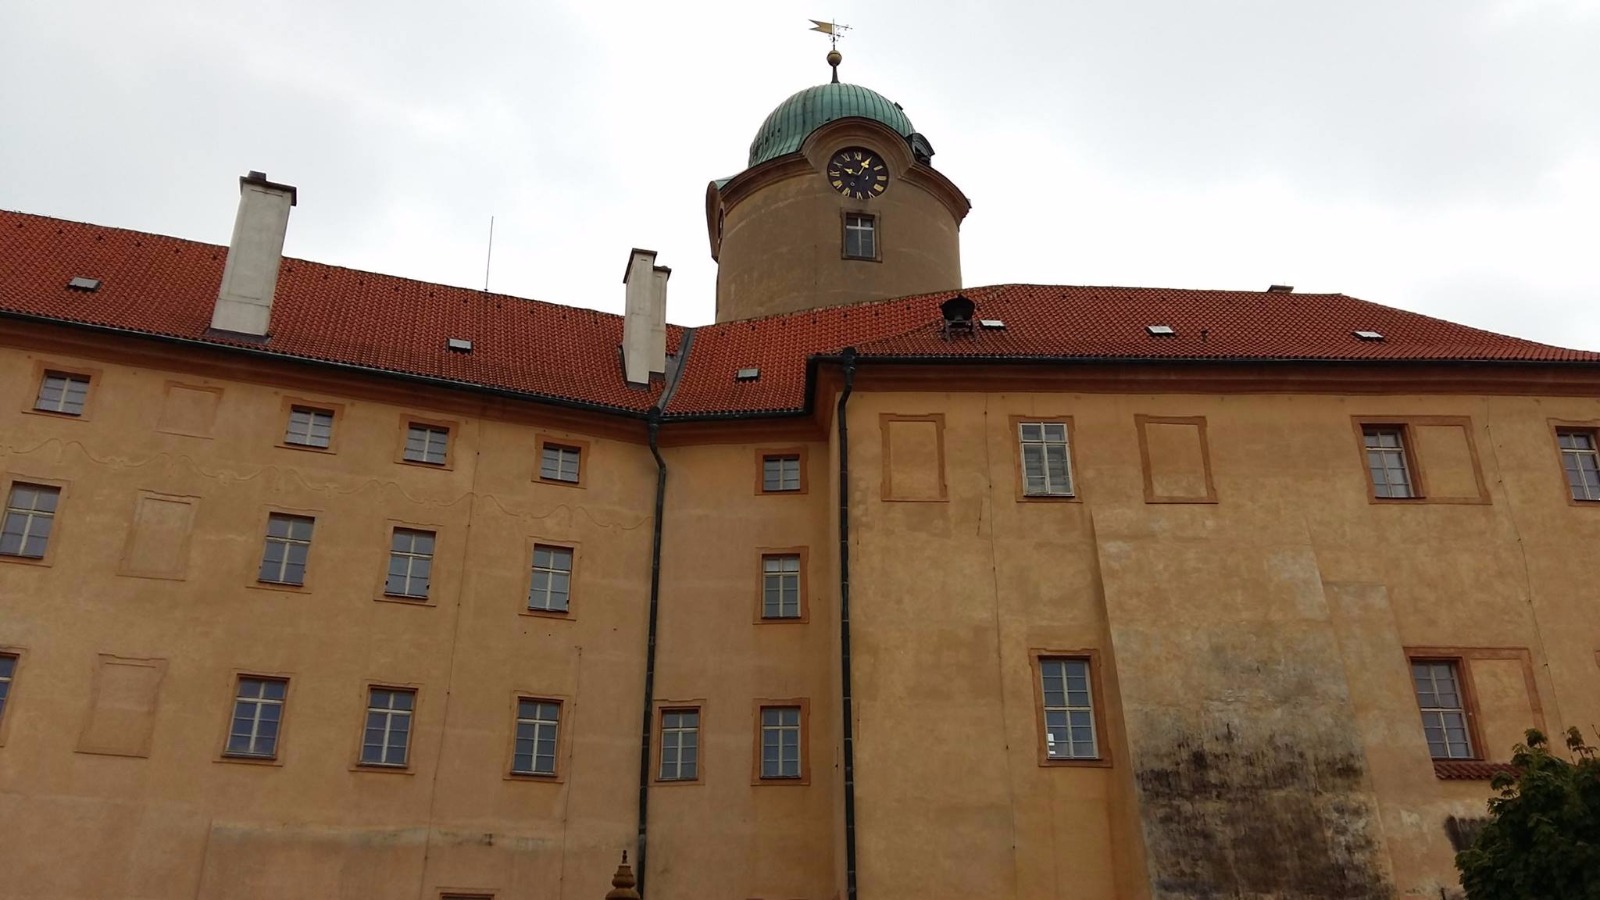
(1437, 155)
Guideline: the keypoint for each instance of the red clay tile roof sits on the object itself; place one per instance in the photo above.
(1084, 323)
(166, 286)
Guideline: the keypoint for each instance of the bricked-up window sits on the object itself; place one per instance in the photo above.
(1386, 460)
(1046, 464)
(283, 559)
(410, 564)
(309, 427)
(551, 586)
(62, 392)
(560, 463)
(8, 668)
(30, 514)
(860, 236)
(1444, 708)
(680, 744)
(257, 715)
(1068, 709)
(428, 444)
(386, 740)
(780, 586)
(538, 722)
(780, 472)
(780, 742)
(1581, 459)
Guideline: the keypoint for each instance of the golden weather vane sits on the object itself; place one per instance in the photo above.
(833, 30)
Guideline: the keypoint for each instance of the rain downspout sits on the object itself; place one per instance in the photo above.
(653, 426)
(849, 358)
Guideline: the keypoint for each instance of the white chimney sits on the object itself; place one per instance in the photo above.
(644, 323)
(244, 304)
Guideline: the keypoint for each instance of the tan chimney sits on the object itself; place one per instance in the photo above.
(644, 322)
(244, 304)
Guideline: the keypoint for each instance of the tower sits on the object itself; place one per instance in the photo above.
(839, 203)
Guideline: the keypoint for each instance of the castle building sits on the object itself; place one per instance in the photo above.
(318, 582)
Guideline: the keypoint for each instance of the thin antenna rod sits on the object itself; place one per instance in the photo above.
(490, 258)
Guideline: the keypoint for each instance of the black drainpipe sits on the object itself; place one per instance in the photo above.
(653, 424)
(849, 357)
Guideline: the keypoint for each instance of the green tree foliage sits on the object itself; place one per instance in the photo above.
(1542, 841)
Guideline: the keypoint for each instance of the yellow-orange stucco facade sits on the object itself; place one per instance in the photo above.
(783, 650)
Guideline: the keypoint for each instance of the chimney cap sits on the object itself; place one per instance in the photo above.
(260, 180)
(634, 254)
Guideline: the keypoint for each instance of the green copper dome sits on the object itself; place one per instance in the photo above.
(795, 118)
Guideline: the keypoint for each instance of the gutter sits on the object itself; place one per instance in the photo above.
(646, 731)
(845, 705)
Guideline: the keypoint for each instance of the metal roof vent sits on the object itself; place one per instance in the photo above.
(1280, 289)
(748, 373)
(80, 283)
(1368, 335)
(957, 313)
(459, 345)
(992, 323)
(1161, 330)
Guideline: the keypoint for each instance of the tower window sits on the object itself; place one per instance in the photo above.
(860, 236)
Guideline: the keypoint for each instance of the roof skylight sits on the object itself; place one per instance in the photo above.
(992, 323)
(1161, 330)
(80, 283)
(749, 373)
(1368, 335)
(459, 345)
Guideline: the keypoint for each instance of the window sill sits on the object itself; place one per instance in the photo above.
(1050, 498)
(783, 620)
(26, 560)
(1468, 769)
(53, 414)
(535, 777)
(268, 761)
(1097, 763)
(558, 482)
(310, 448)
(797, 492)
(676, 782)
(402, 600)
(565, 616)
(279, 587)
(790, 781)
(381, 769)
(438, 467)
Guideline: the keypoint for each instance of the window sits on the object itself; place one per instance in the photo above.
(1443, 707)
(1581, 459)
(257, 715)
(8, 668)
(680, 745)
(429, 444)
(1068, 699)
(551, 586)
(537, 724)
(558, 462)
(780, 742)
(780, 473)
(283, 560)
(387, 737)
(1046, 465)
(1386, 461)
(410, 564)
(30, 513)
(309, 427)
(62, 392)
(780, 586)
(860, 236)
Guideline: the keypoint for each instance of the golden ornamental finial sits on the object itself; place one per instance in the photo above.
(833, 30)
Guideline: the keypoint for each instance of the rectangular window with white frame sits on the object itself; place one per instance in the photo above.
(860, 236)
(781, 586)
(781, 748)
(410, 564)
(287, 549)
(309, 427)
(257, 717)
(1069, 718)
(780, 473)
(558, 462)
(1046, 459)
(427, 444)
(550, 588)
(386, 735)
(1580, 459)
(1387, 461)
(680, 745)
(8, 670)
(29, 518)
(62, 392)
(1443, 704)
(538, 727)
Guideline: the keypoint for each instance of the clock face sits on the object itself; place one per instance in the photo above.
(858, 174)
